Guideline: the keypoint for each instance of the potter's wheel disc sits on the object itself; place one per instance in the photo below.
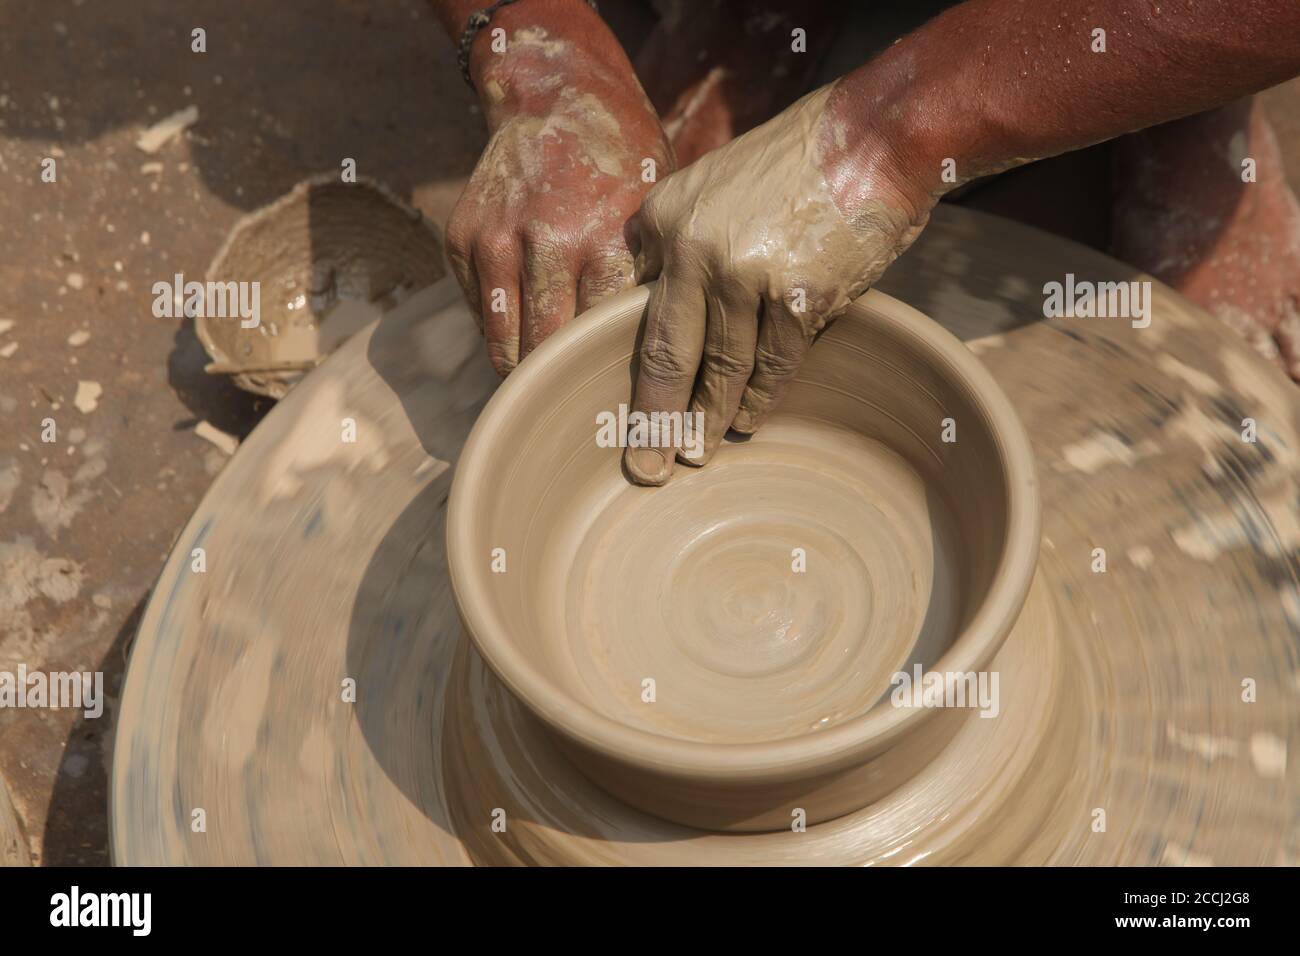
(324, 563)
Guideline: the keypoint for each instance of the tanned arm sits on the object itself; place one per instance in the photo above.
(998, 83)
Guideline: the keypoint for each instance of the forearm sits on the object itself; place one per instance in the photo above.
(551, 46)
(993, 84)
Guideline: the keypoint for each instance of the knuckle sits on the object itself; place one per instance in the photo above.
(663, 364)
(609, 264)
(680, 245)
(460, 234)
(729, 364)
(757, 398)
(651, 216)
(776, 363)
(496, 247)
(536, 234)
(739, 290)
(545, 249)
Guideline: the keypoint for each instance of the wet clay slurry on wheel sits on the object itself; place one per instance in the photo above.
(1121, 690)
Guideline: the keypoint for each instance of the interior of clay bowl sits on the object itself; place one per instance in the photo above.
(748, 615)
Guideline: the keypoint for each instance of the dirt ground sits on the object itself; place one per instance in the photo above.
(85, 522)
(284, 91)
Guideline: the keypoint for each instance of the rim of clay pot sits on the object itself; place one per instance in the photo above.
(826, 750)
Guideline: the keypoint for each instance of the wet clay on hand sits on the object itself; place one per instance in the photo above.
(738, 231)
(539, 233)
(755, 257)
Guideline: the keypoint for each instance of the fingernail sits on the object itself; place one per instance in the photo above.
(698, 450)
(647, 466)
(699, 461)
(743, 422)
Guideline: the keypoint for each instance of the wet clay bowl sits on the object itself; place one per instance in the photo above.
(721, 651)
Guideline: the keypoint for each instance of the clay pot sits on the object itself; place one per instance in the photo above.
(722, 651)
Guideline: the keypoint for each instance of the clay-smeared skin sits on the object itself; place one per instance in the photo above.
(991, 84)
(752, 229)
(544, 214)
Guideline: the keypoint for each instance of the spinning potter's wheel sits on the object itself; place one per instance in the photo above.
(1122, 690)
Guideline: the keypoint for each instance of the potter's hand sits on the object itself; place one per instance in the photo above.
(758, 246)
(540, 232)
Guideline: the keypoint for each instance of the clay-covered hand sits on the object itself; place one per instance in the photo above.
(758, 246)
(541, 231)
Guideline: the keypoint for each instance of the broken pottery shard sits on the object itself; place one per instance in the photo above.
(157, 135)
(87, 399)
(209, 432)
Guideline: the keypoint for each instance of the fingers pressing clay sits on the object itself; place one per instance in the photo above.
(669, 358)
(554, 292)
(782, 344)
(498, 272)
(758, 221)
(550, 293)
(547, 305)
(727, 363)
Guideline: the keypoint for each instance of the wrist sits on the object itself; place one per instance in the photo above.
(925, 113)
(867, 161)
(532, 54)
